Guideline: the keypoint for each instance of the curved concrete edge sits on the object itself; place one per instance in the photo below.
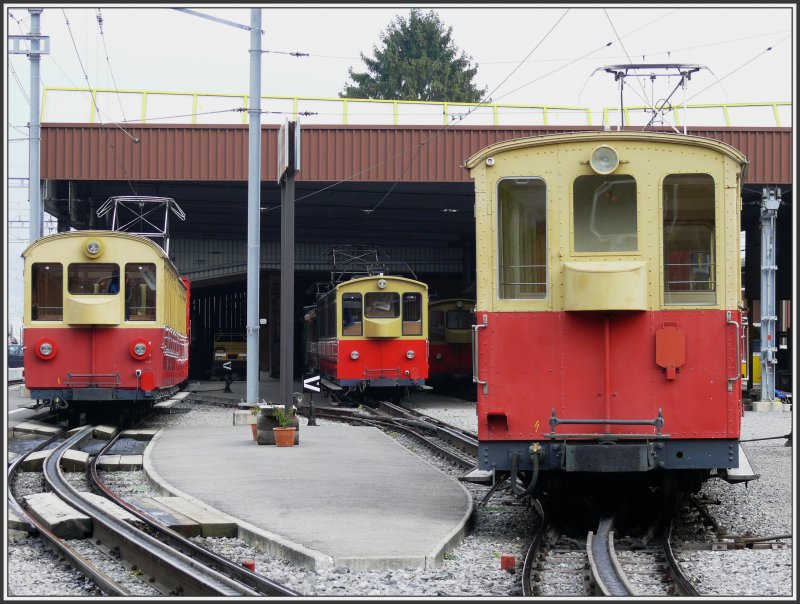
(435, 557)
(265, 541)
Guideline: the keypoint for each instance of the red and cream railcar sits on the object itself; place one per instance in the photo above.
(450, 335)
(608, 307)
(106, 321)
(368, 336)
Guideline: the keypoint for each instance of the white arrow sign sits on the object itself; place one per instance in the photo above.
(309, 383)
(226, 365)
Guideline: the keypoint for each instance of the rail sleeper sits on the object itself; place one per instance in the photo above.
(167, 516)
(212, 523)
(61, 519)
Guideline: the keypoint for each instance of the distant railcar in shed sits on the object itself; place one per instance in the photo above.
(368, 338)
(450, 335)
(106, 323)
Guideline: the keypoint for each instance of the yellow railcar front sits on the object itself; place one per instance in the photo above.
(105, 319)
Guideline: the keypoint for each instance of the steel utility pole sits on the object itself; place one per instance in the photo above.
(37, 45)
(770, 202)
(254, 208)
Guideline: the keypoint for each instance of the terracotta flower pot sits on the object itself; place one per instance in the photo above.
(255, 431)
(284, 437)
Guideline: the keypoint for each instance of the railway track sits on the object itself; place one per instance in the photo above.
(171, 564)
(602, 565)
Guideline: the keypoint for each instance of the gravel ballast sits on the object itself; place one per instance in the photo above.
(502, 527)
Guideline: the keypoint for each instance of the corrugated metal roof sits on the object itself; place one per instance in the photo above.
(329, 153)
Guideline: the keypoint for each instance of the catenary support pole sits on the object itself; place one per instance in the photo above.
(254, 208)
(287, 278)
(770, 202)
(36, 215)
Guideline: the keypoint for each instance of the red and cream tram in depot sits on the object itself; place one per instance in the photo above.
(106, 323)
(608, 323)
(368, 338)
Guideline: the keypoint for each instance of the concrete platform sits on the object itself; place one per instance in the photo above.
(347, 496)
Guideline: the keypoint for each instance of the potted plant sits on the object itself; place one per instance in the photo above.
(284, 432)
(255, 409)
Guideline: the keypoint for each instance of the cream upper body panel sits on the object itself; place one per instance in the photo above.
(628, 273)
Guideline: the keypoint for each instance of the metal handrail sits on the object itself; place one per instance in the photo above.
(450, 112)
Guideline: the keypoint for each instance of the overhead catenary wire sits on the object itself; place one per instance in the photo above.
(440, 131)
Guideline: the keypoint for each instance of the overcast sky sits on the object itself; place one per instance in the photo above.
(526, 54)
(164, 49)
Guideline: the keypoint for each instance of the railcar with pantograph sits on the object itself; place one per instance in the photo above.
(106, 323)
(368, 338)
(607, 341)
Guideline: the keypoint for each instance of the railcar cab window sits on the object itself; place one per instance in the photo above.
(412, 315)
(351, 315)
(459, 319)
(522, 237)
(689, 232)
(47, 292)
(140, 292)
(604, 214)
(382, 305)
(93, 279)
(436, 327)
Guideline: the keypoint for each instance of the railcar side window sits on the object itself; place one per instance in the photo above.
(93, 279)
(523, 242)
(412, 315)
(604, 214)
(47, 286)
(351, 315)
(689, 231)
(382, 305)
(140, 292)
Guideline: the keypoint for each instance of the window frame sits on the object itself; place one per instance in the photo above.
(500, 285)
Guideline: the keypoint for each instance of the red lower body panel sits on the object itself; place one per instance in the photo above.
(618, 366)
(103, 358)
(378, 359)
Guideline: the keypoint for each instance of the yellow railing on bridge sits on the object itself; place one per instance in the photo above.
(99, 105)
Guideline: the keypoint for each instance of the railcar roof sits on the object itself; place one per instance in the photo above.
(595, 136)
(96, 233)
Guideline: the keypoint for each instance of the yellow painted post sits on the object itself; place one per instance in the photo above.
(246, 100)
(144, 107)
(194, 108)
(344, 112)
(777, 116)
(294, 108)
(444, 113)
(588, 117)
(44, 97)
(544, 115)
(496, 116)
(394, 103)
(94, 103)
(727, 117)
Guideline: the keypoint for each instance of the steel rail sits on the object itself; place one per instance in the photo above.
(104, 582)
(403, 425)
(532, 554)
(682, 583)
(237, 572)
(174, 572)
(603, 564)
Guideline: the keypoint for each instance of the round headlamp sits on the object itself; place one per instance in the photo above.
(354, 355)
(604, 159)
(410, 354)
(92, 248)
